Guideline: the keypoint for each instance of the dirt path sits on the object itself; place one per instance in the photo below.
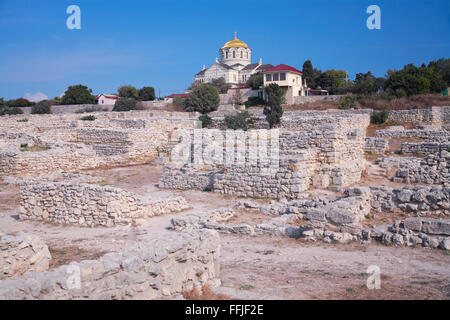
(289, 269)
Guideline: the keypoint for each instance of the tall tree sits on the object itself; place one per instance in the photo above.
(128, 91)
(273, 110)
(308, 74)
(147, 94)
(203, 99)
(78, 94)
(255, 81)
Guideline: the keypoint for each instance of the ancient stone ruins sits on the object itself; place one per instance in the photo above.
(148, 205)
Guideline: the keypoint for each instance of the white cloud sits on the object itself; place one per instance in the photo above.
(36, 97)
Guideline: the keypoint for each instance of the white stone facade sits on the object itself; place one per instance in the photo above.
(234, 65)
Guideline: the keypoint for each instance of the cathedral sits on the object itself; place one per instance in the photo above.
(235, 64)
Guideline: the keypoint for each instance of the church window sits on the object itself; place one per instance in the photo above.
(268, 77)
(234, 54)
(246, 55)
(227, 54)
(275, 77)
(282, 76)
(242, 54)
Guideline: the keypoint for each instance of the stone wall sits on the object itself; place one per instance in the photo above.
(376, 145)
(424, 148)
(163, 267)
(434, 135)
(419, 200)
(309, 99)
(426, 232)
(433, 169)
(79, 204)
(22, 254)
(89, 205)
(436, 117)
(323, 157)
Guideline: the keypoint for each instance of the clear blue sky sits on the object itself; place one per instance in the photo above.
(164, 43)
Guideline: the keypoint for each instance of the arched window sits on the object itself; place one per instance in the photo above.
(234, 54)
(242, 54)
(227, 54)
(246, 55)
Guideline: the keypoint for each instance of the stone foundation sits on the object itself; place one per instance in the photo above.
(22, 254)
(171, 265)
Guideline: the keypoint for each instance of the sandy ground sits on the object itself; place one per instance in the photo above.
(258, 267)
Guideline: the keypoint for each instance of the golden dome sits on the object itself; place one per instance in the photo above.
(235, 43)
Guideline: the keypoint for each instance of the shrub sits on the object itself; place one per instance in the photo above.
(255, 101)
(125, 104)
(273, 110)
(147, 94)
(347, 102)
(10, 111)
(19, 103)
(88, 118)
(23, 120)
(78, 94)
(240, 121)
(203, 99)
(128, 92)
(206, 120)
(379, 117)
(42, 107)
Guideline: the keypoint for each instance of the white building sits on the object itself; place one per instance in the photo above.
(234, 66)
(106, 99)
(288, 78)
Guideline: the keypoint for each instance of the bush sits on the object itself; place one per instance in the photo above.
(206, 120)
(240, 121)
(273, 110)
(42, 107)
(147, 94)
(128, 92)
(78, 94)
(88, 118)
(19, 103)
(347, 102)
(125, 104)
(203, 99)
(10, 111)
(255, 101)
(379, 117)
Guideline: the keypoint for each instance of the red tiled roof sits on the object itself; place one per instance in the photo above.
(282, 67)
(110, 96)
(173, 95)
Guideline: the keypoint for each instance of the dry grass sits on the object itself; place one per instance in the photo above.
(205, 294)
(419, 101)
(316, 105)
(65, 255)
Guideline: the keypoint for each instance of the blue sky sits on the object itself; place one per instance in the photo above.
(164, 43)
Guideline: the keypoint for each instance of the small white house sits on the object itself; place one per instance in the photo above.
(106, 99)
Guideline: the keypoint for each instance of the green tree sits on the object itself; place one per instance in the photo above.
(128, 91)
(255, 81)
(203, 99)
(308, 74)
(19, 103)
(365, 83)
(42, 107)
(239, 121)
(332, 80)
(442, 66)
(78, 94)
(124, 104)
(273, 110)
(147, 94)
(220, 84)
(415, 80)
